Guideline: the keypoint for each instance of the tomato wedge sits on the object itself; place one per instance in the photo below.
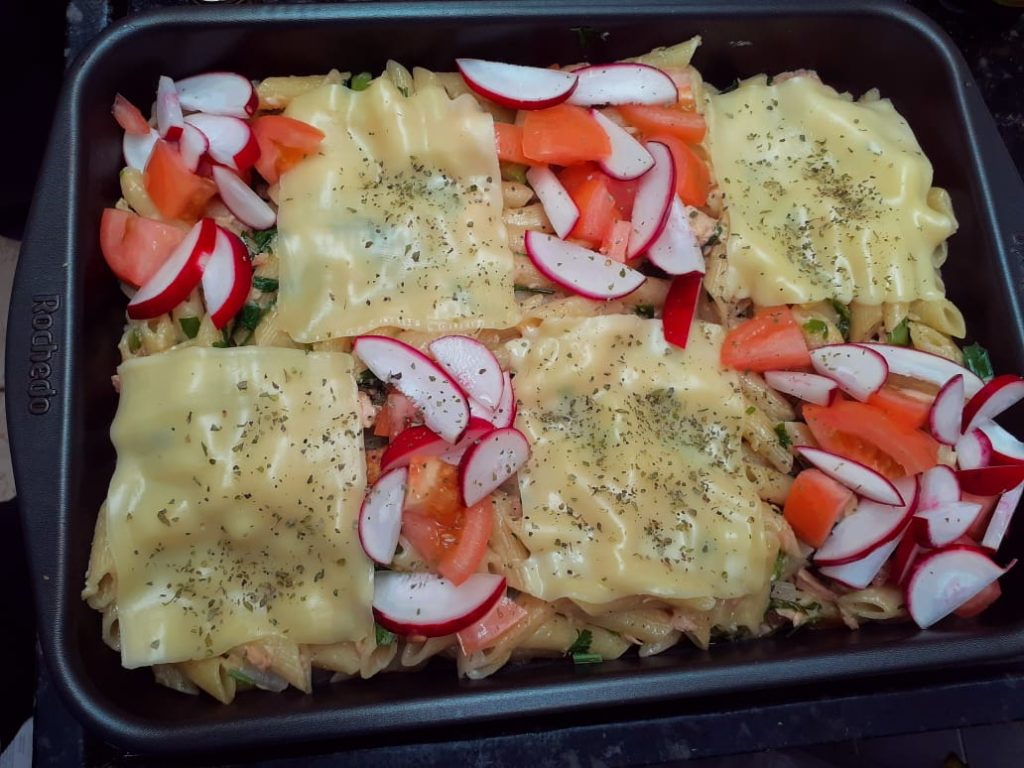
(771, 340)
(433, 490)
(814, 505)
(688, 126)
(129, 117)
(136, 247)
(429, 538)
(624, 192)
(903, 406)
(175, 191)
(508, 140)
(505, 614)
(867, 434)
(597, 211)
(693, 180)
(284, 142)
(563, 135)
(462, 560)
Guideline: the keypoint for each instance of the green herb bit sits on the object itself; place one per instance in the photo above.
(587, 658)
(403, 90)
(977, 361)
(250, 316)
(513, 172)
(368, 379)
(582, 642)
(384, 636)
(818, 327)
(226, 341)
(751, 410)
(780, 564)
(783, 435)
(241, 677)
(265, 284)
(531, 289)
(843, 321)
(361, 81)
(189, 326)
(900, 335)
(134, 341)
(644, 310)
(259, 242)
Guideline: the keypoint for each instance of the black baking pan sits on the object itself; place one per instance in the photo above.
(66, 315)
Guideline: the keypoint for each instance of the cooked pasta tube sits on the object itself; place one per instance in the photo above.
(212, 676)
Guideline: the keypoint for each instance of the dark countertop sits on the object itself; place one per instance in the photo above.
(992, 41)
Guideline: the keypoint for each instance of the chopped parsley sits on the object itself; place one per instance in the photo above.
(513, 172)
(259, 242)
(900, 335)
(780, 563)
(265, 284)
(582, 642)
(403, 90)
(817, 327)
(189, 326)
(751, 410)
(587, 658)
(644, 310)
(843, 317)
(783, 435)
(250, 316)
(226, 341)
(977, 361)
(384, 636)
(361, 81)
(134, 341)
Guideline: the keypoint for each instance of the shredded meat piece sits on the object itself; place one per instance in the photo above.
(810, 584)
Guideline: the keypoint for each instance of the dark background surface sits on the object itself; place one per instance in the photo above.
(992, 40)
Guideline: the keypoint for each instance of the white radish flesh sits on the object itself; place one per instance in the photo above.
(431, 606)
(472, 365)
(492, 461)
(676, 250)
(248, 207)
(169, 119)
(1006, 449)
(380, 517)
(218, 93)
(653, 201)
(973, 450)
(227, 278)
(859, 478)
(516, 86)
(939, 487)
(505, 413)
(623, 83)
(869, 526)
(192, 146)
(137, 148)
(558, 205)
(947, 523)
(809, 387)
(860, 573)
(1001, 517)
(232, 142)
(947, 411)
(581, 271)
(924, 366)
(998, 395)
(859, 371)
(944, 580)
(177, 276)
(628, 160)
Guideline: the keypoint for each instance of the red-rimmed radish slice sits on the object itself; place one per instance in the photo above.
(176, 278)
(477, 430)
(227, 278)
(516, 86)
(809, 387)
(505, 413)
(907, 552)
(1001, 517)
(444, 406)
(653, 202)
(869, 527)
(192, 146)
(218, 93)
(248, 207)
(680, 308)
(558, 205)
(492, 461)
(859, 478)
(422, 441)
(859, 371)
(991, 481)
(478, 410)
(472, 365)
(973, 450)
(380, 517)
(623, 83)
(861, 572)
(947, 411)
(1006, 449)
(676, 249)
(137, 149)
(939, 487)
(129, 117)
(628, 159)
(169, 119)
(232, 142)
(924, 366)
(998, 395)
(431, 606)
(946, 524)
(944, 580)
(579, 270)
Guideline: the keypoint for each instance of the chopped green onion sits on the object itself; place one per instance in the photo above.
(134, 341)
(587, 658)
(783, 435)
(900, 335)
(384, 636)
(250, 316)
(816, 326)
(644, 310)
(226, 341)
(843, 321)
(241, 677)
(977, 361)
(361, 81)
(780, 563)
(189, 326)
(531, 289)
(259, 242)
(513, 172)
(265, 284)
(582, 642)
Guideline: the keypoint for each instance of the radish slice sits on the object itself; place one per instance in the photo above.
(942, 581)
(947, 411)
(505, 413)
(492, 461)
(192, 146)
(680, 308)
(248, 207)
(478, 410)
(924, 366)
(515, 86)
(946, 524)
(998, 395)
(860, 573)
(859, 478)
(421, 441)
(558, 205)
(137, 149)
(176, 278)
(1006, 449)
(623, 83)
(869, 527)
(419, 378)
(1001, 517)
(906, 553)
(232, 142)
(939, 487)
(477, 430)
(809, 387)
(859, 371)
(226, 278)
(380, 517)
(676, 249)
(974, 450)
(628, 159)
(653, 201)
(581, 271)
(472, 365)
(991, 481)
(169, 119)
(218, 93)
(431, 606)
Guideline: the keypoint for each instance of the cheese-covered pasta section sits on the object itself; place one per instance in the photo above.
(231, 513)
(398, 221)
(827, 197)
(636, 483)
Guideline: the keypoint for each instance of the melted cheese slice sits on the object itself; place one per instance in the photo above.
(232, 510)
(398, 222)
(827, 197)
(635, 485)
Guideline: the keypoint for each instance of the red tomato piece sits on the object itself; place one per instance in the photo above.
(650, 119)
(462, 560)
(175, 191)
(129, 117)
(284, 142)
(771, 340)
(905, 406)
(563, 135)
(505, 615)
(508, 140)
(136, 247)
(433, 490)
(815, 503)
(693, 180)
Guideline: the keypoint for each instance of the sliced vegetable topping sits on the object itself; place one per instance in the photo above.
(581, 271)
(380, 517)
(771, 340)
(519, 87)
(432, 606)
(623, 83)
(814, 504)
(564, 135)
(177, 276)
(136, 247)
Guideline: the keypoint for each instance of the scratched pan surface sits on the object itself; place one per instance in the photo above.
(66, 317)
